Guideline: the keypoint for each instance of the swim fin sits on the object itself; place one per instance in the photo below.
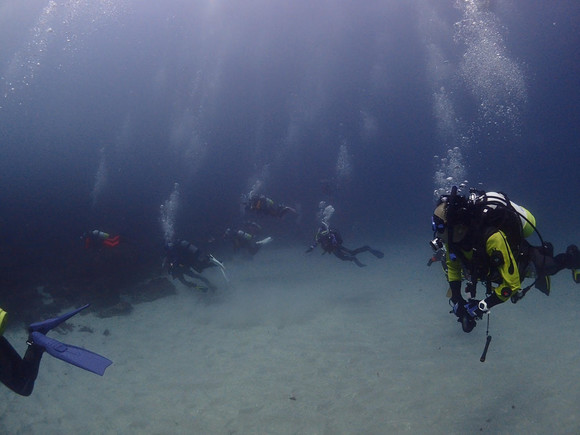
(377, 253)
(543, 284)
(46, 325)
(264, 241)
(85, 359)
(576, 275)
(220, 265)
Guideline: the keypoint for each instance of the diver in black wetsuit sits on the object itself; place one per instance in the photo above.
(331, 241)
(182, 258)
(265, 206)
(18, 373)
(246, 238)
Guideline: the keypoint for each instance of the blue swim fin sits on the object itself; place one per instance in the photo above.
(46, 325)
(85, 359)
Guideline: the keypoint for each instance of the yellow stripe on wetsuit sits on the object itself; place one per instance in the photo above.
(3, 321)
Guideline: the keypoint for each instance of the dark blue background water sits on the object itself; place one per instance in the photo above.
(217, 95)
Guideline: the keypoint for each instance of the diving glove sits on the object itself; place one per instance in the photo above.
(459, 308)
(463, 316)
(476, 309)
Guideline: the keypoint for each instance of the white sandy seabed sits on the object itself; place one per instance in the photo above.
(307, 344)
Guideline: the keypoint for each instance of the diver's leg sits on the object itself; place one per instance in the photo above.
(284, 210)
(181, 278)
(203, 279)
(345, 255)
(571, 258)
(544, 261)
(187, 282)
(542, 257)
(30, 366)
(367, 248)
(9, 362)
(17, 373)
(253, 248)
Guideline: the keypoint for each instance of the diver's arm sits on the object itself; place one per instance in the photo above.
(17, 373)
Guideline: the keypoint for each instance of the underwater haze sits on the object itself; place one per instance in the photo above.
(106, 104)
(376, 107)
(156, 120)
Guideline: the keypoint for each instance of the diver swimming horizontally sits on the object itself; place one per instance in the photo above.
(265, 206)
(330, 241)
(182, 257)
(98, 238)
(246, 238)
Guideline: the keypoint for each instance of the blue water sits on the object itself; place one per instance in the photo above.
(152, 120)
(374, 107)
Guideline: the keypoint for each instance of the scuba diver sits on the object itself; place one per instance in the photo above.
(484, 236)
(330, 241)
(246, 238)
(181, 257)
(19, 374)
(262, 205)
(98, 238)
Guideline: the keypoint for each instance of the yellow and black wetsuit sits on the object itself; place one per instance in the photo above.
(500, 258)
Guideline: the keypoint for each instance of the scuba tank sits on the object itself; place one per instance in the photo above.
(100, 235)
(498, 203)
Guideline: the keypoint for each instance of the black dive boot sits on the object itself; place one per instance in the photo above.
(573, 262)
